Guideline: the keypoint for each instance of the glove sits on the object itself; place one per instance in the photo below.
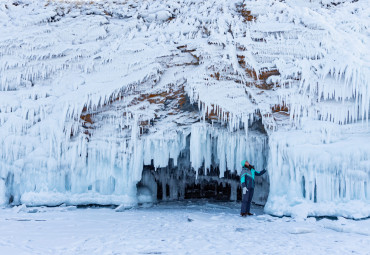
(245, 190)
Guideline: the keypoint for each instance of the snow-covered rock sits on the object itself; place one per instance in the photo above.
(90, 93)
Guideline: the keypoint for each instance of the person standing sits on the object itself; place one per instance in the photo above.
(247, 182)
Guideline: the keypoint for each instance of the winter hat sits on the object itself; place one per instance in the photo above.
(243, 163)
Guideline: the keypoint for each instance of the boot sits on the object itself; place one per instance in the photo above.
(249, 214)
(243, 214)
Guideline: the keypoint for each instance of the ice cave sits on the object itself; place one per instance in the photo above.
(131, 102)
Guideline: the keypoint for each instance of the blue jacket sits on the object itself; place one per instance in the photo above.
(247, 177)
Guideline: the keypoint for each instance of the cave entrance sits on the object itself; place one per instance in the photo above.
(178, 183)
(182, 182)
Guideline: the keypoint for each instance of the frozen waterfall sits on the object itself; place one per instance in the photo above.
(107, 172)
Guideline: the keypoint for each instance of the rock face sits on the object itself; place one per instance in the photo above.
(122, 102)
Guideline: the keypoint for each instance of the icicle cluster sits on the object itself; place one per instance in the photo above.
(209, 145)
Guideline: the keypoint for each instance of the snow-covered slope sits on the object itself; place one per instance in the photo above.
(90, 92)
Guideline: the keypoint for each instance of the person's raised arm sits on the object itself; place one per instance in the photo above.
(259, 173)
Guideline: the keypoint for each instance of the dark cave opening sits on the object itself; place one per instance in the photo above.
(181, 182)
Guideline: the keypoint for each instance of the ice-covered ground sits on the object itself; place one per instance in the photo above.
(197, 227)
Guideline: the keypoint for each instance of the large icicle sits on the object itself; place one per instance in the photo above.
(214, 146)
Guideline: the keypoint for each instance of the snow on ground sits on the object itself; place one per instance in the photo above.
(189, 227)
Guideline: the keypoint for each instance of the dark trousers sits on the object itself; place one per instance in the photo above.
(246, 201)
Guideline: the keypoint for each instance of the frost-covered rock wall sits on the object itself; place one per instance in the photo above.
(90, 93)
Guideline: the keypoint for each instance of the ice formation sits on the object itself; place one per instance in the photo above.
(92, 93)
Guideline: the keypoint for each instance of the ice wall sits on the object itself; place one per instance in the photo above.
(105, 173)
(309, 177)
(318, 160)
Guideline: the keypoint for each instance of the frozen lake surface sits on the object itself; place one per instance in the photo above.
(188, 227)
